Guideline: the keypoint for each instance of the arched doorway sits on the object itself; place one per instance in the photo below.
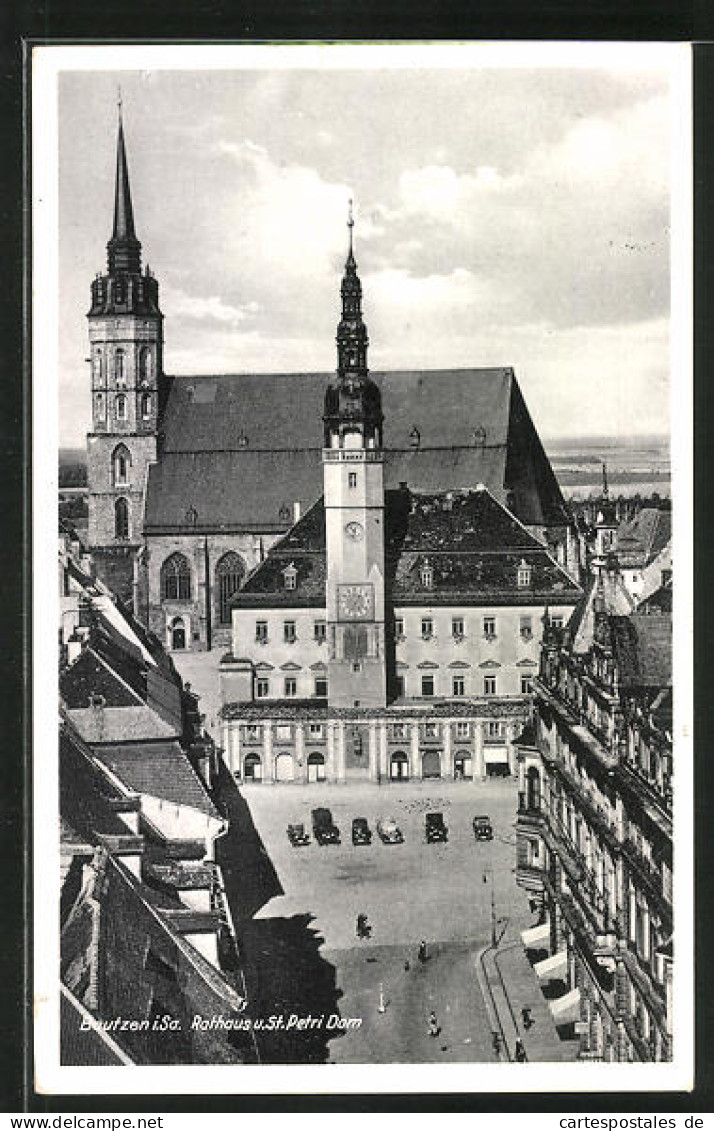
(399, 766)
(284, 767)
(316, 767)
(178, 634)
(463, 766)
(431, 764)
(252, 768)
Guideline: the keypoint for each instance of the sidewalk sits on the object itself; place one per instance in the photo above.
(508, 983)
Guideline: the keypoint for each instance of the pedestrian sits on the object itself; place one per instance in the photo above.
(526, 1017)
(496, 1042)
(422, 951)
(520, 1051)
(407, 965)
(433, 1025)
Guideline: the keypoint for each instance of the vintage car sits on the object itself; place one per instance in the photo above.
(436, 830)
(361, 832)
(389, 831)
(324, 828)
(483, 829)
(297, 835)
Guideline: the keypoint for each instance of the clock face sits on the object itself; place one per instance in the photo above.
(355, 602)
(354, 531)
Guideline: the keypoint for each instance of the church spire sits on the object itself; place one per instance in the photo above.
(124, 249)
(352, 338)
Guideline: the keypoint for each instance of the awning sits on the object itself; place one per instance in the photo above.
(555, 966)
(535, 935)
(566, 1008)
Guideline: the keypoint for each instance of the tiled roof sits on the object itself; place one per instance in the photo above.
(264, 432)
(281, 710)
(643, 650)
(472, 545)
(641, 540)
(160, 769)
(658, 602)
(86, 794)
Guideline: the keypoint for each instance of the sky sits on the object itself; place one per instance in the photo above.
(504, 217)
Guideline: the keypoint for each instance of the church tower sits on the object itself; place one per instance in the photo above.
(126, 357)
(354, 512)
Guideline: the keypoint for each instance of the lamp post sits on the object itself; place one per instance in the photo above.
(489, 872)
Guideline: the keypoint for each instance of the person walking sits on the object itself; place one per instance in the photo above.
(520, 1051)
(422, 951)
(433, 1028)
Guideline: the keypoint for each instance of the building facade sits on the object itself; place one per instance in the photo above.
(594, 828)
(191, 479)
(390, 634)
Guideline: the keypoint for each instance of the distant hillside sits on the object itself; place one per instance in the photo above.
(72, 467)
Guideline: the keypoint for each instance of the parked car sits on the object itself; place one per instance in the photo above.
(297, 835)
(435, 828)
(389, 831)
(324, 828)
(361, 832)
(483, 829)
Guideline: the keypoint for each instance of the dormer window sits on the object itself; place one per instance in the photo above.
(523, 576)
(290, 576)
(426, 575)
(415, 437)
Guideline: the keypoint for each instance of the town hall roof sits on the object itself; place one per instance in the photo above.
(471, 544)
(238, 451)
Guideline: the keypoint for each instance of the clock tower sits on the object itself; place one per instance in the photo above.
(354, 512)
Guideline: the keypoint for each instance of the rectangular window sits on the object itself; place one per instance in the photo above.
(489, 685)
(261, 631)
(262, 688)
(283, 732)
(457, 628)
(458, 685)
(316, 730)
(489, 628)
(252, 731)
(290, 687)
(289, 633)
(427, 628)
(351, 478)
(526, 627)
(320, 631)
(399, 628)
(321, 688)
(556, 622)
(399, 731)
(462, 730)
(526, 685)
(400, 686)
(427, 685)
(494, 730)
(431, 730)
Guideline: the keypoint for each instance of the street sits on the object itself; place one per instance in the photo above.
(298, 933)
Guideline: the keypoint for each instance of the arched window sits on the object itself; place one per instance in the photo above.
(98, 367)
(176, 579)
(230, 572)
(120, 405)
(121, 462)
(100, 408)
(145, 364)
(119, 374)
(121, 518)
(146, 406)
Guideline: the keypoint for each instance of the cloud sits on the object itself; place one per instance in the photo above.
(177, 303)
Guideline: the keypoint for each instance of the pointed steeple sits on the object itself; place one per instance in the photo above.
(353, 400)
(124, 249)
